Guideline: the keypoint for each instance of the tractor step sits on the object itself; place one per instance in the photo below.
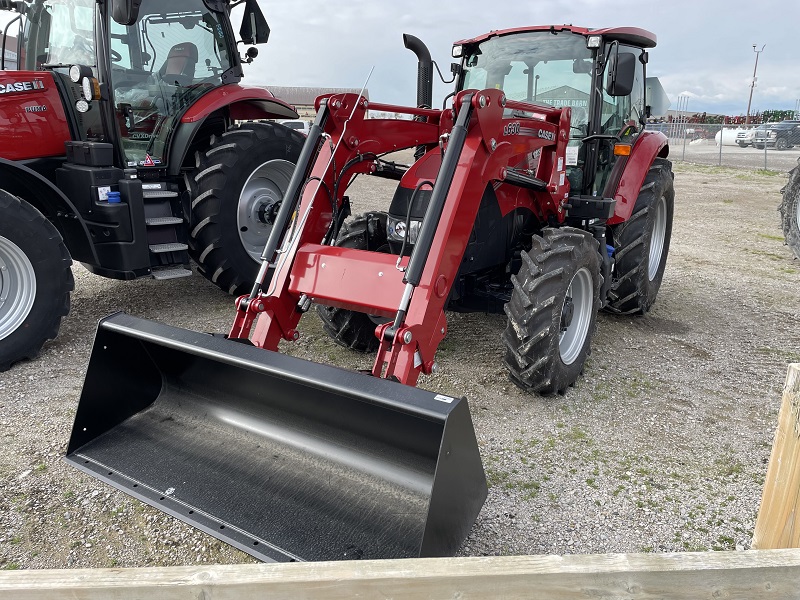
(171, 247)
(171, 272)
(157, 221)
(154, 194)
(166, 231)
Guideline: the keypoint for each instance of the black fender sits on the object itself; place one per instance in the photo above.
(38, 191)
(212, 108)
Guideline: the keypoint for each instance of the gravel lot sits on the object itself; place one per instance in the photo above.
(661, 446)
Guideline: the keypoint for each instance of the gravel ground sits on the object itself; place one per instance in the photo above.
(661, 446)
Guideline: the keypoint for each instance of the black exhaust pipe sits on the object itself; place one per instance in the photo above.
(424, 69)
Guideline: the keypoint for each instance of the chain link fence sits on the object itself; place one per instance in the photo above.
(773, 147)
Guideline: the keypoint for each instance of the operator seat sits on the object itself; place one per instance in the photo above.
(179, 67)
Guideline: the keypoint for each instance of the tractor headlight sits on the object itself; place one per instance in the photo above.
(396, 229)
(458, 50)
(593, 41)
(78, 72)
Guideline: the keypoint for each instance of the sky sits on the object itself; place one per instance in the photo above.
(704, 51)
(705, 47)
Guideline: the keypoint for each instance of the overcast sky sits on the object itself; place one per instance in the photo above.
(705, 47)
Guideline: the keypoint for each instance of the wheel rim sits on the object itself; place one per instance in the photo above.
(259, 202)
(657, 238)
(17, 287)
(576, 315)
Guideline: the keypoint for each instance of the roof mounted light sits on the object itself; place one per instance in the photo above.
(458, 50)
(594, 41)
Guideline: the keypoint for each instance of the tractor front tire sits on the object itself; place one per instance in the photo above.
(349, 328)
(642, 243)
(552, 314)
(35, 280)
(236, 190)
(790, 211)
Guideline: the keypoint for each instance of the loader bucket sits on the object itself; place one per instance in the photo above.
(283, 458)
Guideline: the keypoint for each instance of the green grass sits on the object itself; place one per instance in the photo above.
(766, 236)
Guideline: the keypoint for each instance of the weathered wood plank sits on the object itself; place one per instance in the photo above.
(750, 575)
(778, 522)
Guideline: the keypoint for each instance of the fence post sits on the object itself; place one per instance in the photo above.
(721, 136)
(778, 521)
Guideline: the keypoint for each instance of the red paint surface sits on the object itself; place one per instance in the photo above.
(39, 131)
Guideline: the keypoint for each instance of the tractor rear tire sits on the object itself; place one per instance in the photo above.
(349, 328)
(35, 280)
(642, 243)
(790, 211)
(236, 189)
(552, 314)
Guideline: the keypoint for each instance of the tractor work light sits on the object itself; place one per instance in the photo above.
(594, 41)
(82, 106)
(457, 51)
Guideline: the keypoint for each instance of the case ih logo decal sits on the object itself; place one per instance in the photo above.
(515, 128)
(21, 86)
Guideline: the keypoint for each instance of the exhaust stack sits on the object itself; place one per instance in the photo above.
(424, 69)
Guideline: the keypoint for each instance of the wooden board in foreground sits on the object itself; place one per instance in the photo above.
(750, 575)
(778, 522)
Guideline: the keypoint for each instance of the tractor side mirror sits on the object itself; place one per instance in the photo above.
(621, 72)
(254, 29)
(125, 12)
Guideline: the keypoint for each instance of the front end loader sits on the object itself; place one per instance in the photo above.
(515, 203)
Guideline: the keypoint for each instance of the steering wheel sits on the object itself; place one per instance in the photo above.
(115, 56)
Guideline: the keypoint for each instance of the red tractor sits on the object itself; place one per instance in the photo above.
(549, 201)
(536, 191)
(120, 150)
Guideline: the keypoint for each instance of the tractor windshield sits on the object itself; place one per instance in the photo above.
(540, 66)
(175, 52)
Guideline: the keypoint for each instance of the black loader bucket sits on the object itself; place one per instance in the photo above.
(283, 458)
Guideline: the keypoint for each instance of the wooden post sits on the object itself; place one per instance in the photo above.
(778, 522)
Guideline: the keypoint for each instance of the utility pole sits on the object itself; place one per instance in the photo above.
(753, 83)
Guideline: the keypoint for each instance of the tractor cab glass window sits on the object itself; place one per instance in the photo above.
(160, 65)
(59, 33)
(539, 67)
(618, 111)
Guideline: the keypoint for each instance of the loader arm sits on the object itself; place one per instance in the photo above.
(481, 146)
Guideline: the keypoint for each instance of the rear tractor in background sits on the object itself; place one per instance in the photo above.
(119, 149)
